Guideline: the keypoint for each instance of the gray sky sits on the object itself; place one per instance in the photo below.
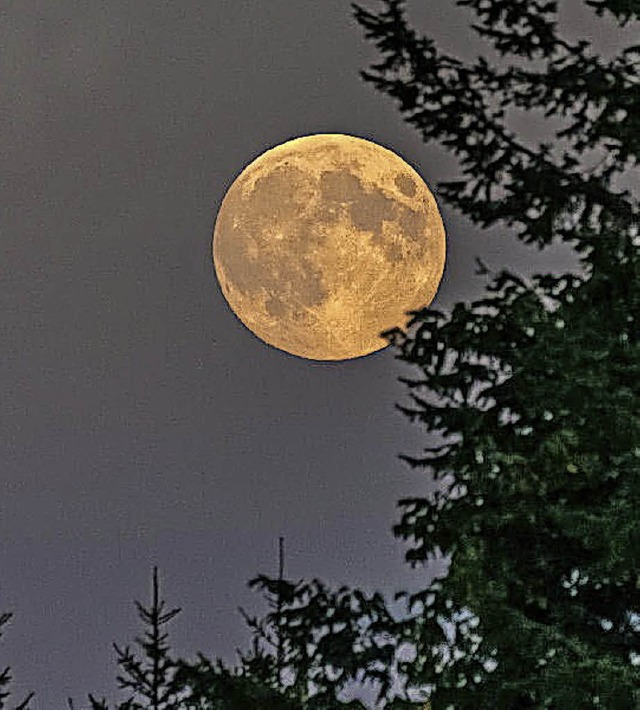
(140, 422)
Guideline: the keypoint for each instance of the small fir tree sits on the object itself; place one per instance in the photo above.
(150, 679)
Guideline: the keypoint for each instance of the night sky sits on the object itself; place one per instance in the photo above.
(140, 422)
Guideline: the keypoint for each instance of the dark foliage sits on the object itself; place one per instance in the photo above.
(532, 391)
(5, 675)
(318, 632)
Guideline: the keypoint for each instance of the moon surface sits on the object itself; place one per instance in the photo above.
(325, 241)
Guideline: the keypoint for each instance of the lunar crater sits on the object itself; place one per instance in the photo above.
(325, 241)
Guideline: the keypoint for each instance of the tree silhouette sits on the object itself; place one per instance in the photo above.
(150, 678)
(296, 659)
(533, 390)
(215, 686)
(330, 639)
(5, 675)
(158, 681)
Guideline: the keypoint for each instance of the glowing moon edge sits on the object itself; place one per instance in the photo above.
(323, 242)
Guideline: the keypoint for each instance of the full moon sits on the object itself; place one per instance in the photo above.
(325, 241)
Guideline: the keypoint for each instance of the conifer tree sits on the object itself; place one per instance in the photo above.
(533, 390)
(158, 681)
(329, 639)
(215, 686)
(317, 662)
(150, 679)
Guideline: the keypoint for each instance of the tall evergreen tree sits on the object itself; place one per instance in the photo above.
(5, 675)
(533, 391)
